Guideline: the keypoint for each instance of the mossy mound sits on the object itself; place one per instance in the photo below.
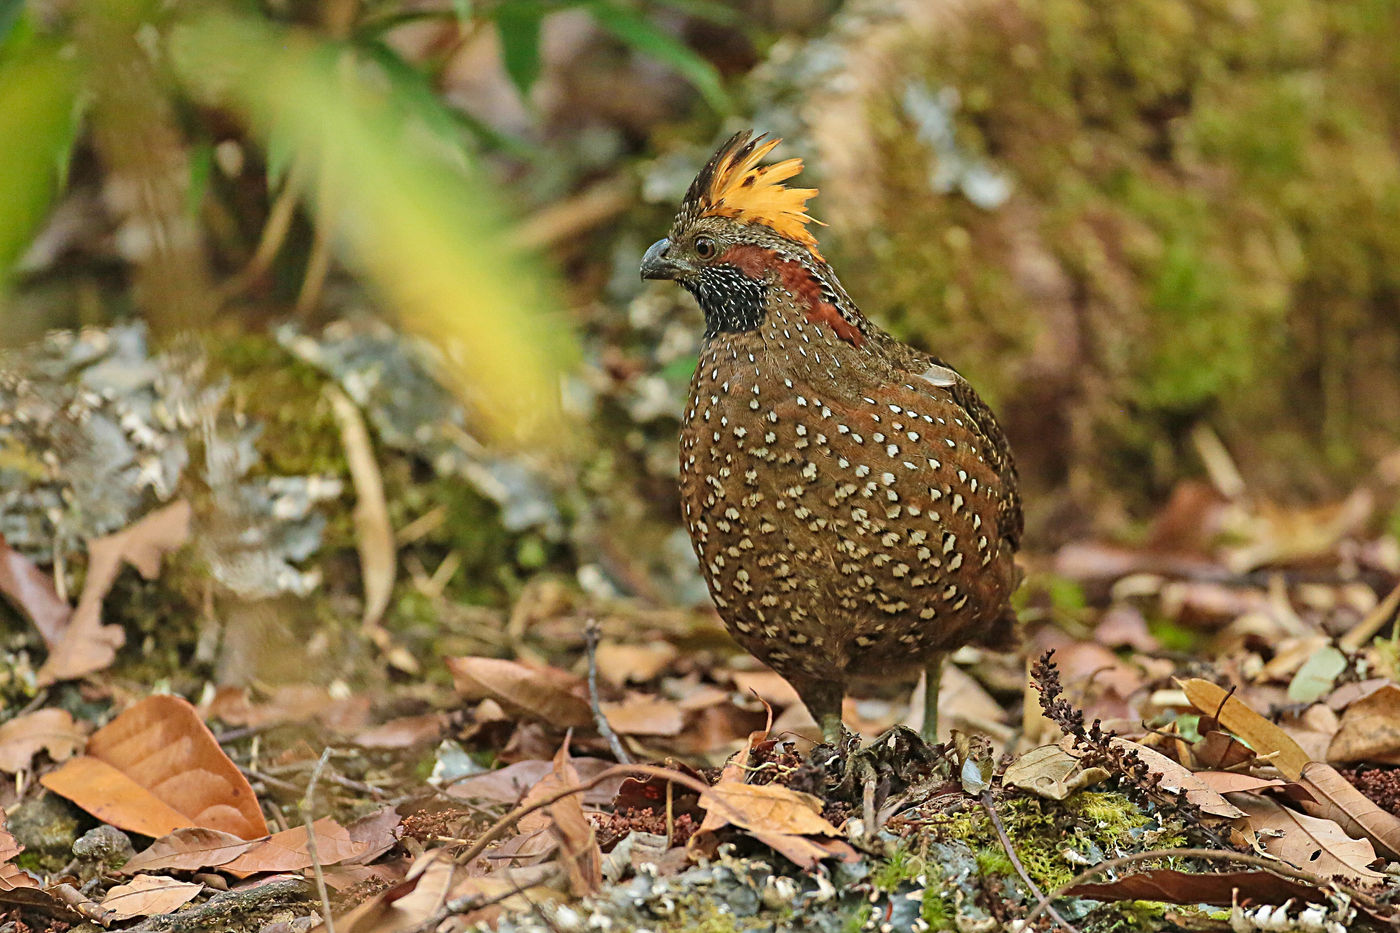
(1121, 220)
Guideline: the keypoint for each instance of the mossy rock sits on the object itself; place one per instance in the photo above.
(1201, 224)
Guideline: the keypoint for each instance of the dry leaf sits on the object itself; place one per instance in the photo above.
(770, 686)
(33, 594)
(50, 729)
(768, 807)
(189, 849)
(406, 905)
(147, 896)
(288, 850)
(12, 876)
(1219, 750)
(1051, 772)
(157, 768)
(643, 715)
(622, 664)
(1256, 731)
(565, 820)
(1233, 782)
(777, 816)
(1168, 886)
(1334, 798)
(87, 645)
(1178, 779)
(545, 693)
(510, 784)
(404, 732)
(1307, 842)
(1369, 730)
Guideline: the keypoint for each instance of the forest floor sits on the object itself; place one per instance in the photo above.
(1199, 731)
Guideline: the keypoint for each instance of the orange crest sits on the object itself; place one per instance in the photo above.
(740, 188)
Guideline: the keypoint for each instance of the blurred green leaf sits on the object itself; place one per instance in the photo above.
(9, 16)
(201, 167)
(422, 227)
(519, 31)
(637, 31)
(38, 92)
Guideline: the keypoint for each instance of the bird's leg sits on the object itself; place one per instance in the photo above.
(823, 700)
(933, 678)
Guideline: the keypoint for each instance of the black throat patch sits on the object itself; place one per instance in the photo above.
(732, 301)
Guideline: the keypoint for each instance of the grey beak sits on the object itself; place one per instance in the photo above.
(657, 265)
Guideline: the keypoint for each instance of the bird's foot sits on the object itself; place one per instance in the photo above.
(868, 777)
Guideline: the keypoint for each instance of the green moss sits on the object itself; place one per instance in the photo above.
(1042, 831)
(1217, 189)
(286, 395)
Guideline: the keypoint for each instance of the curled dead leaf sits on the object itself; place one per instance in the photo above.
(51, 730)
(1257, 732)
(545, 693)
(1369, 730)
(86, 645)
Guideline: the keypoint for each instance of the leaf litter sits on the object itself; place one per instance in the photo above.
(1178, 744)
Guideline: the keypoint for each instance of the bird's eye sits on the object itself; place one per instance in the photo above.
(704, 247)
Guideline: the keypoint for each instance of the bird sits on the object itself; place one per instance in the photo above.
(852, 501)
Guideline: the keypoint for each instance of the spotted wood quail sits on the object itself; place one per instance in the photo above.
(852, 501)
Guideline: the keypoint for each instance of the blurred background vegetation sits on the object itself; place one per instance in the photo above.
(1145, 230)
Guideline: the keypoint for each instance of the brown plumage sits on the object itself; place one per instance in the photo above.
(852, 501)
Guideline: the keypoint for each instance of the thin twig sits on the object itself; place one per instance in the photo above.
(505, 822)
(1016, 863)
(590, 633)
(1277, 867)
(306, 818)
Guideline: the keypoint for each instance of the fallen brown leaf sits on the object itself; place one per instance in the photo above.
(157, 768)
(1256, 731)
(189, 849)
(545, 693)
(511, 783)
(33, 594)
(52, 730)
(11, 875)
(622, 664)
(1334, 798)
(1307, 842)
(644, 715)
(406, 905)
(289, 851)
(779, 817)
(404, 732)
(86, 645)
(148, 895)
(1178, 779)
(565, 820)
(1369, 730)
(1168, 886)
(1051, 772)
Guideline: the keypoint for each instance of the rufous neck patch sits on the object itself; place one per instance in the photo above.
(757, 262)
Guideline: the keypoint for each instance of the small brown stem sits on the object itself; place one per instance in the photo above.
(590, 633)
(307, 820)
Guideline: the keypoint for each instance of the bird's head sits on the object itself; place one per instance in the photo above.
(738, 232)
